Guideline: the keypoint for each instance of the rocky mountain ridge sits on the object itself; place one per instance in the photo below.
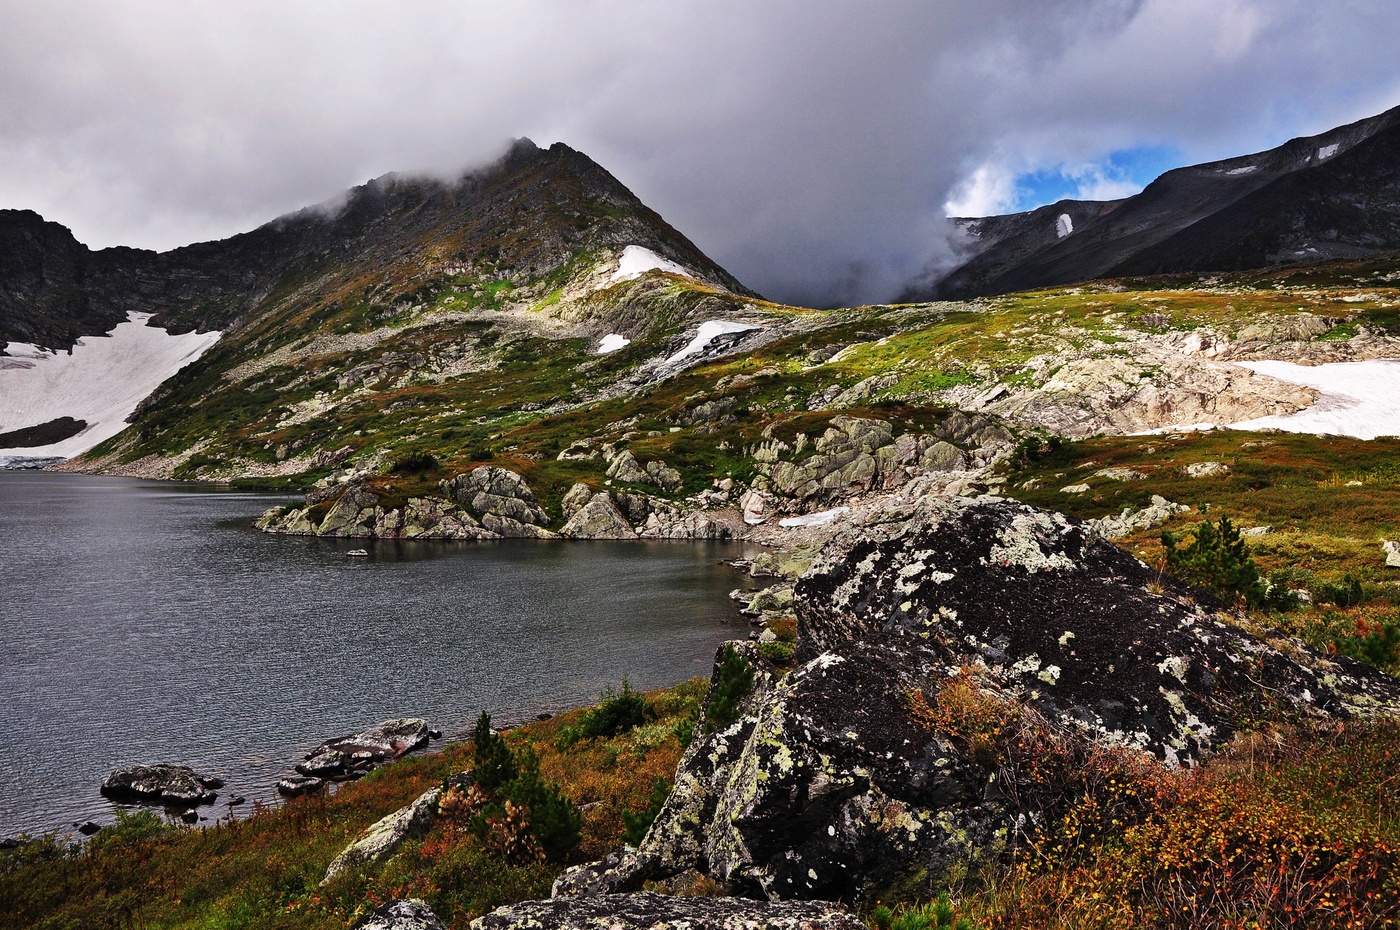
(1333, 195)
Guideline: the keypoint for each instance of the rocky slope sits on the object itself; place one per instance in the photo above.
(1334, 195)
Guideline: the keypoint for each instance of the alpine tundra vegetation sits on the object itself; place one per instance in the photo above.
(1042, 641)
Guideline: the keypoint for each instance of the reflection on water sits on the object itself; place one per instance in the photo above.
(147, 622)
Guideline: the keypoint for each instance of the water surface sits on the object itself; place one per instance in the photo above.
(148, 622)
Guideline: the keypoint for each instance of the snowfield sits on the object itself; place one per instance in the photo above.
(1064, 225)
(100, 381)
(612, 342)
(813, 519)
(637, 261)
(709, 330)
(1360, 399)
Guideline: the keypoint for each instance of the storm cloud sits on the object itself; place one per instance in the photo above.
(813, 148)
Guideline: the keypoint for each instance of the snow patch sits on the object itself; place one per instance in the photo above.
(1063, 226)
(1246, 169)
(1327, 151)
(814, 519)
(1358, 398)
(101, 381)
(612, 342)
(637, 260)
(708, 332)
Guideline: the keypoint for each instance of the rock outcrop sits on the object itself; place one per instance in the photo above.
(485, 503)
(171, 785)
(599, 518)
(846, 777)
(652, 911)
(857, 455)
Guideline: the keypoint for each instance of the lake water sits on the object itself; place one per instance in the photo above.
(144, 621)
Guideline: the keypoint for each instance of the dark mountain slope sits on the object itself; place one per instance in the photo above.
(1331, 195)
(523, 217)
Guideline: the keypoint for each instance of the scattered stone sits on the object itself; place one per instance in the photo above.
(1117, 473)
(1159, 511)
(1074, 489)
(381, 839)
(1256, 531)
(651, 911)
(411, 914)
(170, 785)
(1392, 553)
(1206, 470)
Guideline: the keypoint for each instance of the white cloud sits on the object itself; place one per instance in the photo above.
(810, 146)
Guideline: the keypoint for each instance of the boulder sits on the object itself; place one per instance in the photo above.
(358, 752)
(839, 780)
(171, 785)
(500, 498)
(410, 914)
(384, 837)
(294, 786)
(1206, 470)
(626, 469)
(598, 519)
(651, 911)
(1391, 548)
(573, 501)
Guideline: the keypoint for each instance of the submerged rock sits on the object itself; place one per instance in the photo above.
(650, 911)
(838, 779)
(171, 785)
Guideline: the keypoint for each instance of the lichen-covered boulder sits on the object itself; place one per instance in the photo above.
(386, 835)
(411, 914)
(837, 779)
(359, 752)
(650, 911)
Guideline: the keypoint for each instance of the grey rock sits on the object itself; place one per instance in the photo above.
(1392, 553)
(171, 785)
(943, 456)
(598, 519)
(651, 911)
(294, 786)
(1205, 470)
(384, 837)
(574, 500)
(488, 491)
(359, 751)
(411, 914)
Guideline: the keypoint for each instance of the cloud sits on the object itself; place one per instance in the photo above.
(810, 147)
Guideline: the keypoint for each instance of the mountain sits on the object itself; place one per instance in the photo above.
(529, 213)
(1334, 195)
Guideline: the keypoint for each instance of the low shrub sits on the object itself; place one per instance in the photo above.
(733, 683)
(1217, 560)
(936, 915)
(638, 824)
(415, 463)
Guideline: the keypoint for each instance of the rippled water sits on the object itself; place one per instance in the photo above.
(144, 621)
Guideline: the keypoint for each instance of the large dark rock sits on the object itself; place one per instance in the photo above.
(171, 785)
(837, 780)
(666, 912)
